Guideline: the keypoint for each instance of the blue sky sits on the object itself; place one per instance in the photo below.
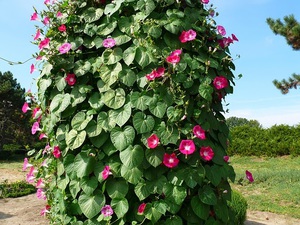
(263, 55)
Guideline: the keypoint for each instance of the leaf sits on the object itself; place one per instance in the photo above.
(174, 220)
(98, 141)
(155, 156)
(120, 206)
(205, 89)
(122, 138)
(132, 156)
(60, 83)
(213, 174)
(82, 67)
(59, 103)
(80, 121)
(74, 188)
(142, 57)
(89, 184)
(83, 164)
(140, 101)
(122, 115)
(92, 14)
(207, 195)
(132, 175)
(158, 109)
(143, 123)
(91, 205)
(106, 121)
(112, 56)
(75, 139)
(114, 98)
(127, 77)
(117, 188)
(142, 190)
(199, 208)
(95, 101)
(129, 55)
(112, 7)
(93, 129)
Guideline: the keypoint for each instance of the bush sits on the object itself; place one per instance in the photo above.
(238, 205)
(16, 189)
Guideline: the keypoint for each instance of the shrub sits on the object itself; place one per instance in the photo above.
(16, 189)
(239, 205)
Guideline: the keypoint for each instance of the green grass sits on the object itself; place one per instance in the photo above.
(276, 186)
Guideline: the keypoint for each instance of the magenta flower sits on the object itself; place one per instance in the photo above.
(186, 36)
(45, 210)
(206, 153)
(40, 183)
(25, 107)
(249, 176)
(106, 172)
(109, 42)
(46, 2)
(220, 82)
(64, 48)
(107, 211)
(187, 147)
(44, 43)
(226, 158)
(205, 1)
(59, 14)
(37, 35)
(234, 37)
(159, 72)
(35, 128)
(174, 57)
(32, 68)
(36, 112)
(34, 16)
(221, 30)
(46, 149)
(199, 132)
(40, 194)
(71, 79)
(141, 208)
(46, 20)
(26, 164)
(42, 136)
(62, 28)
(153, 141)
(170, 160)
(30, 176)
(176, 52)
(151, 76)
(44, 163)
(56, 152)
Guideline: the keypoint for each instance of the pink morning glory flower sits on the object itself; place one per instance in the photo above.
(45, 210)
(220, 82)
(106, 172)
(37, 35)
(34, 16)
(32, 68)
(159, 72)
(226, 158)
(59, 14)
(62, 28)
(234, 37)
(64, 48)
(141, 208)
(107, 210)
(40, 194)
(44, 163)
(71, 79)
(25, 107)
(249, 176)
(30, 176)
(46, 2)
(44, 43)
(170, 160)
(35, 128)
(206, 153)
(205, 1)
(46, 21)
(174, 57)
(153, 141)
(56, 152)
(221, 30)
(36, 112)
(186, 36)
(199, 132)
(42, 136)
(26, 164)
(187, 147)
(46, 149)
(40, 183)
(109, 42)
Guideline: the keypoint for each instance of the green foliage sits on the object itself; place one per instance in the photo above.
(16, 189)
(239, 207)
(98, 126)
(277, 140)
(236, 121)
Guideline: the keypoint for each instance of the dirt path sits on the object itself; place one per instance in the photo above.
(26, 210)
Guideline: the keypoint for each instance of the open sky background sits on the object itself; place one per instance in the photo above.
(263, 55)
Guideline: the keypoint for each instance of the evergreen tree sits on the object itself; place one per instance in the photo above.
(290, 29)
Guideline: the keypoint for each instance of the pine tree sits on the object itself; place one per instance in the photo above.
(290, 29)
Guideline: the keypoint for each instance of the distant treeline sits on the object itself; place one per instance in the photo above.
(248, 138)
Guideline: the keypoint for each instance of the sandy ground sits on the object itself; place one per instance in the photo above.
(26, 210)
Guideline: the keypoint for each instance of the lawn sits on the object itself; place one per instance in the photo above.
(277, 183)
